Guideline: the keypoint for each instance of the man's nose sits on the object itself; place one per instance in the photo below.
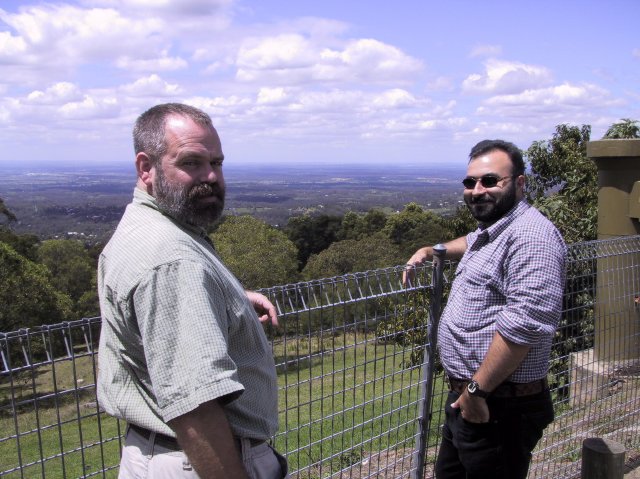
(478, 189)
(210, 173)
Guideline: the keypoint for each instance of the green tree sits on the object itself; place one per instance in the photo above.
(356, 226)
(6, 212)
(25, 244)
(312, 234)
(71, 267)
(258, 254)
(462, 222)
(414, 228)
(624, 129)
(351, 256)
(27, 296)
(375, 220)
(563, 182)
(351, 227)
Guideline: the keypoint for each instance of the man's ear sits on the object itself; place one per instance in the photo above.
(146, 170)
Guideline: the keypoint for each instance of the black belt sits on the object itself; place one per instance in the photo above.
(163, 443)
(505, 390)
(158, 445)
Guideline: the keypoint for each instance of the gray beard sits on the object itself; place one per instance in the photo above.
(182, 203)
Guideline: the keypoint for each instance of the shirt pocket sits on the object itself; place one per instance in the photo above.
(479, 298)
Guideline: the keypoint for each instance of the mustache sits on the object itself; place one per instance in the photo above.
(204, 190)
(478, 200)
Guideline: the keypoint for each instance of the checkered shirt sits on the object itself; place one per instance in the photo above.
(510, 280)
(178, 329)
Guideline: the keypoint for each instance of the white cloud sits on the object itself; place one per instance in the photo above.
(328, 116)
(222, 108)
(5, 115)
(292, 58)
(553, 98)
(161, 63)
(379, 60)
(288, 51)
(272, 96)
(153, 86)
(11, 48)
(502, 77)
(90, 108)
(328, 101)
(636, 52)
(486, 51)
(441, 83)
(63, 35)
(58, 93)
(535, 112)
(396, 98)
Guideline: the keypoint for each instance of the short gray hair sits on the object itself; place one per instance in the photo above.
(149, 134)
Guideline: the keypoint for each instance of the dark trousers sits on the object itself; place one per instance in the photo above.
(499, 449)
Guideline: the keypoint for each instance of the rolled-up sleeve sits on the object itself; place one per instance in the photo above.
(534, 281)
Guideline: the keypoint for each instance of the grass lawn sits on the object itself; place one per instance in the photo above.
(57, 431)
(341, 399)
(352, 399)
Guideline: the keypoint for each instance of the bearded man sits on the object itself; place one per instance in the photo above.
(183, 356)
(496, 330)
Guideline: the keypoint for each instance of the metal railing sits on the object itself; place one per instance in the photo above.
(349, 355)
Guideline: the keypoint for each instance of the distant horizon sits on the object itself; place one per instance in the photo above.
(48, 166)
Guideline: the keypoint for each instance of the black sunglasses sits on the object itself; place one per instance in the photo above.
(487, 181)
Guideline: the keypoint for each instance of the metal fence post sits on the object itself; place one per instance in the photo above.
(426, 390)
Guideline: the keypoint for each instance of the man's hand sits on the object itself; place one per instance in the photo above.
(265, 309)
(419, 257)
(472, 409)
(454, 250)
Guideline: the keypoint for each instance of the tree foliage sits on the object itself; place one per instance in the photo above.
(414, 228)
(462, 222)
(356, 226)
(624, 129)
(27, 296)
(312, 234)
(72, 270)
(350, 256)
(258, 254)
(25, 245)
(563, 182)
(6, 212)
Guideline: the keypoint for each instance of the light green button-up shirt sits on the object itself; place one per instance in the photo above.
(178, 329)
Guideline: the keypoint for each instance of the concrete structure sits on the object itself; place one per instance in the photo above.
(617, 312)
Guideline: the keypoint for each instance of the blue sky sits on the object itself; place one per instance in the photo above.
(307, 81)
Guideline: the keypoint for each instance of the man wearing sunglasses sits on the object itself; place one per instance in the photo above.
(495, 333)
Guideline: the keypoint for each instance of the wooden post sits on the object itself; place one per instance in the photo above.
(602, 459)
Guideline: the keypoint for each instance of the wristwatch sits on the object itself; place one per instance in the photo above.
(473, 388)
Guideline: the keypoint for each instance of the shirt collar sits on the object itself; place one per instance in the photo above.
(494, 230)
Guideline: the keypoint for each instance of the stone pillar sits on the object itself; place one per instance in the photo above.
(617, 335)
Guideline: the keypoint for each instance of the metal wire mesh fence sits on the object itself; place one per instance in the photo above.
(349, 354)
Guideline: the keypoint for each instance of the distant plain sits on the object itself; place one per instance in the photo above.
(87, 202)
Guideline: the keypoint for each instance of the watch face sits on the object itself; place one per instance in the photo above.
(474, 389)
